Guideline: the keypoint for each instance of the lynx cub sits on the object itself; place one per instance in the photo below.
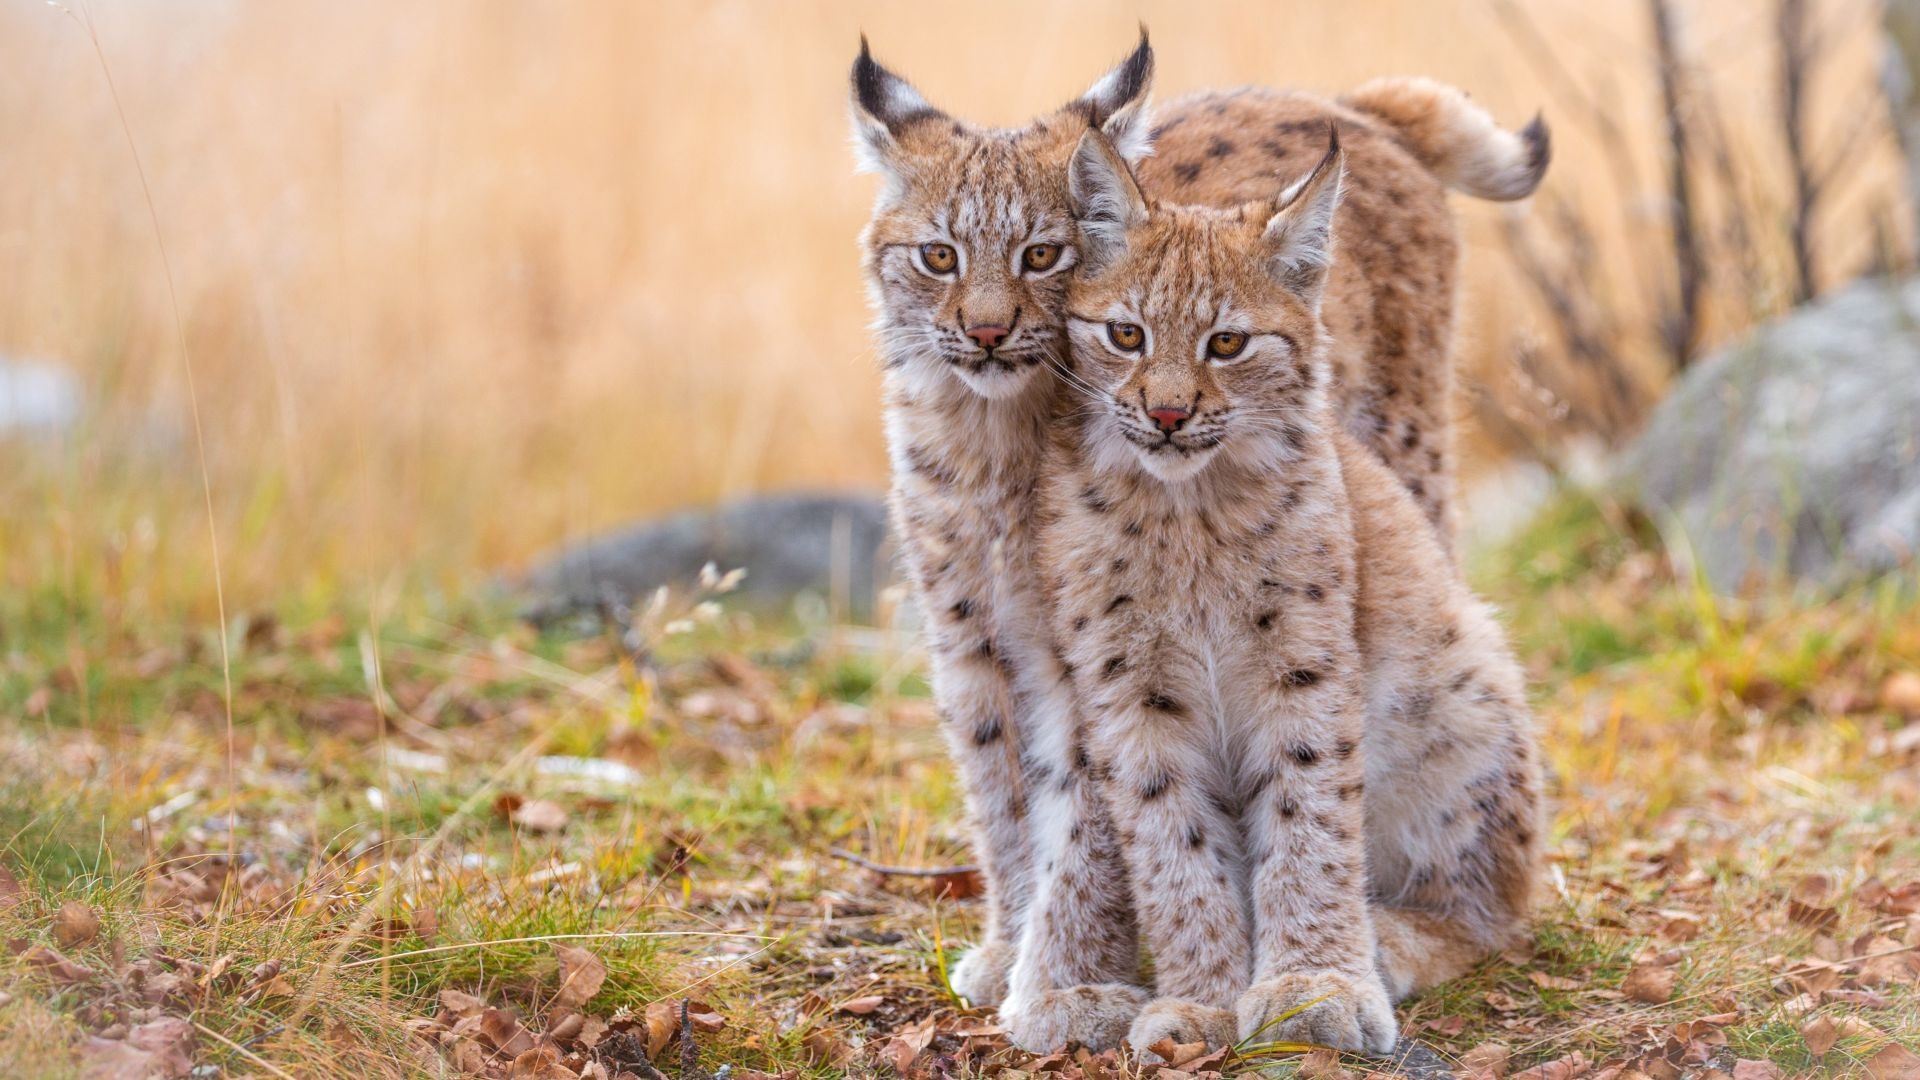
(1313, 739)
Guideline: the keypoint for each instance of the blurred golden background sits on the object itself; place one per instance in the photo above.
(461, 281)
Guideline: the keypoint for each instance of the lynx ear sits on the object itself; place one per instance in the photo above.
(1299, 234)
(883, 104)
(1106, 200)
(1117, 104)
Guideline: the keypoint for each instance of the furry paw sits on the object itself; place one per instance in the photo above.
(1096, 1017)
(1182, 1021)
(1356, 1015)
(981, 975)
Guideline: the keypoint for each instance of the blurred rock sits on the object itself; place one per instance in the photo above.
(790, 545)
(37, 398)
(1797, 451)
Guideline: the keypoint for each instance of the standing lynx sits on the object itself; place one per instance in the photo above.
(1314, 738)
(968, 256)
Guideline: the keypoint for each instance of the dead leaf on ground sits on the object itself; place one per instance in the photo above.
(56, 966)
(861, 1006)
(1487, 1061)
(581, 976)
(1545, 981)
(1819, 1034)
(1650, 984)
(75, 925)
(505, 1033)
(1566, 1068)
(1811, 902)
(540, 816)
(12, 893)
(157, 1050)
(1894, 1062)
(1321, 1065)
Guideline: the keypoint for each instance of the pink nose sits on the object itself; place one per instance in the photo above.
(1169, 419)
(988, 336)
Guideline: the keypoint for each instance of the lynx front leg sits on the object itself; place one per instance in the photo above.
(1313, 938)
(976, 704)
(1076, 978)
(1167, 779)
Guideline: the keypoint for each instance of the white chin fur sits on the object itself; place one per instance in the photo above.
(995, 383)
(1171, 466)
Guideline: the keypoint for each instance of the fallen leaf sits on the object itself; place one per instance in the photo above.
(861, 1006)
(157, 1050)
(662, 1022)
(1487, 1061)
(505, 1033)
(1819, 1034)
(1901, 692)
(539, 815)
(964, 885)
(581, 976)
(901, 1050)
(1894, 1062)
(1553, 982)
(1566, 1068)
(56, 966)
(461, 1005)
(1320, 1065)
(1810, 902)
(541, 1063)
(12, 893)
(1650, 984)
(1750, 1069)
(75, 924)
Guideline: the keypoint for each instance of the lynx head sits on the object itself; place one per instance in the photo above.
(972, 242)
(1197, 330)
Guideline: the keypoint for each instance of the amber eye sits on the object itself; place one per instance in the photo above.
(939, 258)
(1125, 336)
(1226, 344)
(1041, 256)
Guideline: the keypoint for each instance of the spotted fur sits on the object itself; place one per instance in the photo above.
(967, 427)
(1304, 723)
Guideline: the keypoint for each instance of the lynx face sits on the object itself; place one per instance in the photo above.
(1197, 331)
(972, 241)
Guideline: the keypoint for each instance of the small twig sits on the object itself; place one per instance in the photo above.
(900, 871)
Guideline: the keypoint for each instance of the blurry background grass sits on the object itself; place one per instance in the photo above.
(462, 281)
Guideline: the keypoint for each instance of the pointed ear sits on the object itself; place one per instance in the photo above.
(1106, 200)
(883, 104)
(1117, 104)
(1299, 233)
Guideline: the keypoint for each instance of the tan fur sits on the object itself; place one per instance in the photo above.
(1300, 717)
(966, 432)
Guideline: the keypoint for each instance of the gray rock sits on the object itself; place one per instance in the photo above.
(1797, 451)
(789, 544)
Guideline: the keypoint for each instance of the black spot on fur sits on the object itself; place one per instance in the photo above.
(988, 731)
(1349, 791)
(961, 610)
(1316, 593)
(1219, 147)
(1094, 500)
(1343, 749)
(1265, 621)
(1304, 754)
(1188, 171)
(1119, 602)
(1300, 677)
(1114, 666)
(1288, 808)
(1156, 786)
(1080, 623)
(1159, 702)
(1119, 565)
(1195, 838)
(1133, 528)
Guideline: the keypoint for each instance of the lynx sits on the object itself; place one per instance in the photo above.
(968, 255)
(1313, 739)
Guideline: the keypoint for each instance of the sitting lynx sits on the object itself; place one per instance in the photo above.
(1313, 740)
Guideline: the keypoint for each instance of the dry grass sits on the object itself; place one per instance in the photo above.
(1709, 757)
(461, 282)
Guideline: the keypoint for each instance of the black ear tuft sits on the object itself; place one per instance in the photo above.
(887, 98)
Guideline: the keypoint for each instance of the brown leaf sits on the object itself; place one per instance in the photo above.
(826, 1047)
(75, 924)
(1487, 1061)
(1819, 1034)
(157, 1050)
(57, 967)
(541, 1063)
(1320, 1065)
(1650, 984)
(861, 1006)
(1177, 1054)
(1749, 1069)
(964, 885)
(581, 976)
(901, 1050)
(504, 1033)
(663, 1021)
(1553, 982)
(1810, 902)
(461, 1005)
(1894, 1062)
(1901, 693)
(540, 816)
(12, 893)
(1566, 1068)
